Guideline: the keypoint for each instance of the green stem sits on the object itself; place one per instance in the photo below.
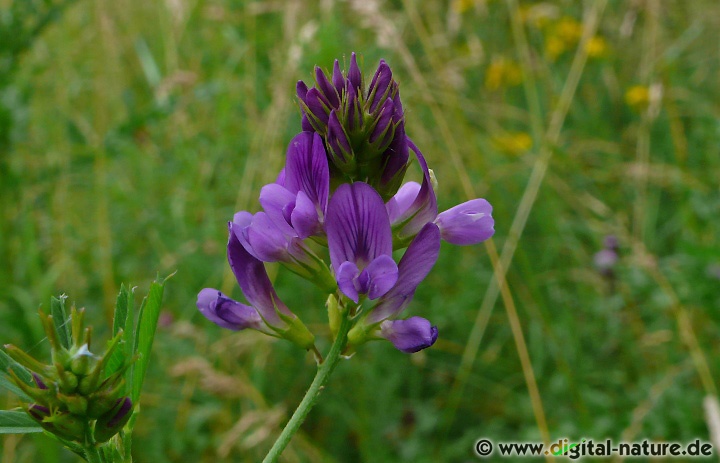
(321, 377)
(92, 454)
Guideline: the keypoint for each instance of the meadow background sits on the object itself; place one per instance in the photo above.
(131, 131)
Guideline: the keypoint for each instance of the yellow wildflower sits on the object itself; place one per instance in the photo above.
(596, 47)
(513, 143)
(502, 73)
(637, 97)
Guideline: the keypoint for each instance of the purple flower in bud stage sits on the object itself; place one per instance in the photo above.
(109, 424)
(411, 335)
(70, 396)
(414, 205)
(414, 266)
(274, 316)
(360, 242)
(364, 130)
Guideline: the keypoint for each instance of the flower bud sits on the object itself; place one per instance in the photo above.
(112, 422)
(341, 153)
(83, 361)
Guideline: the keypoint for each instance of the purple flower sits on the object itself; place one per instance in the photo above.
(226, 312)
(414, 205)
(414, 266)
(271, 315)
(298, 204)
(360, 242)
(468, 223)
(411, 335)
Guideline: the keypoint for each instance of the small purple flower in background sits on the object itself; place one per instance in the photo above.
(606, 259)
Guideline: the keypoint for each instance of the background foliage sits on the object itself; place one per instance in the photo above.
(131, 131)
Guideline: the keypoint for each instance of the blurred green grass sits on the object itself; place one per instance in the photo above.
(139, 128)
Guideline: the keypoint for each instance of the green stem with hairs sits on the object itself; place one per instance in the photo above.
(324, 371)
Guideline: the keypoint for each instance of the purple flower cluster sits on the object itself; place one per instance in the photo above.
(341, 188)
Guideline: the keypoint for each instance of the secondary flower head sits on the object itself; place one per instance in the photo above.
(79, 392)
(363, 128)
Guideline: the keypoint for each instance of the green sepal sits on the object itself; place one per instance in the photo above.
(67, 380)
(361, 333)
(42, 396)
(334, 315)
(103, 401)
(90, 383)
(77, 404)
(296, 332)
(25, 360)
(66, 425)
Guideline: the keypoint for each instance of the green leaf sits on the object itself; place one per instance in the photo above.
(121, 320)
(7, 363)
(145, 334)
(124, 300)
(17, 422)
(62, 326)
(7, 383)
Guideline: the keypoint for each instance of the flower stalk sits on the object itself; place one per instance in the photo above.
(322, 376)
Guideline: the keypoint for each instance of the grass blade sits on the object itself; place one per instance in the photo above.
(17, 422)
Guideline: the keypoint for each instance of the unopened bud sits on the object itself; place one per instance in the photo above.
(112, 422)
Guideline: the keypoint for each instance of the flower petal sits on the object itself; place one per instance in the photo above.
(337, 78)
(468, 223)
(354, 76)
(226, 312)
(266, 241)
(382, 276)
(411, 335)
(379, 85)
(424, 207)
(357, 225)
(347, 275)
(304, 217)
(414, 266)
(326, 88)
(306, 168)
(254, 282)
(278, 203)
(401, 202)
